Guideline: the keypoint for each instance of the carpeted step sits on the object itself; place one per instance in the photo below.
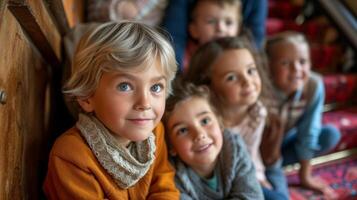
(341, 175)
(346, 121)
(340, 88)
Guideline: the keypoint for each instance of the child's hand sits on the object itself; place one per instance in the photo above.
(266, 184)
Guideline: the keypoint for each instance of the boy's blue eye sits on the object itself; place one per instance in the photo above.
(124, 87)
(205, 121)
(157, 88)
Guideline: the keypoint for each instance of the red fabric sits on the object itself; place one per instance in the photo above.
(283, 9)
(324, 56)
(341, 175)
(340, 87)
(346, 122)
(276, 25)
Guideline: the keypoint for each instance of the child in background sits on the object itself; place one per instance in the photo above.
(148, 11)
(120, 78)
(211, 19)
(210, 163)
(295, 108)
(229, 67)
(177, 14)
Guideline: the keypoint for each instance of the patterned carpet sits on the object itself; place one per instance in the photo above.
(340, 174)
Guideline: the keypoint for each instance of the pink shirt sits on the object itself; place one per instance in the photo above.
(251, 129)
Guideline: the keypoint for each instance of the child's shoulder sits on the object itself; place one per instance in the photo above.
(258, 110)
(232, 142)
(159, 132)
(315, 78)
(71, 146)
(314, 85)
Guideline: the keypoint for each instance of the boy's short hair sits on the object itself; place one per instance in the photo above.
(114, 46)
(184, 90)
(199, 71)
(221, 3)
(286, 36)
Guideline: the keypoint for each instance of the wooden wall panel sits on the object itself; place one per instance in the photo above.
(14, 53)
(26, 79)
(45, 20)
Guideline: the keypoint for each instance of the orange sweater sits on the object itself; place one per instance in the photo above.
(75, 173)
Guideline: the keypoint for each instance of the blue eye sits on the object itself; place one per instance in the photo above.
(124, 87)
(205, 121)
(157, 88)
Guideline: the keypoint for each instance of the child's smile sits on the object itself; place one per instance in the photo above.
(195, 134)
(235, 78)
(130, 103)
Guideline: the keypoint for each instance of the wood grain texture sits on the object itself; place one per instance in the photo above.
(75, 11)
(26, 78)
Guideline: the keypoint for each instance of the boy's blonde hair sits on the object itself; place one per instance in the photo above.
(114, 46)
(286, 36)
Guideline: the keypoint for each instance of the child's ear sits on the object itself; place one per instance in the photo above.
(86, 104)
(192, 29)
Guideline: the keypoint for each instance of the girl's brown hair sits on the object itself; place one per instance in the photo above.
(200, 68)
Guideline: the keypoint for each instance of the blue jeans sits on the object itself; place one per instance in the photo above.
(328, 138)
(272, 194)
(277, 179)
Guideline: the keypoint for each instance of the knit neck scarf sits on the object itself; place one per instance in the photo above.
(126, 165)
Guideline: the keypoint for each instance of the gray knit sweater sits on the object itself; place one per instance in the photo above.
(235, 171)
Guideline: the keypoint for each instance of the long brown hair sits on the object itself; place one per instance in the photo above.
(200, 68)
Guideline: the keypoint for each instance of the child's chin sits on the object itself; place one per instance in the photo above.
(140, 137)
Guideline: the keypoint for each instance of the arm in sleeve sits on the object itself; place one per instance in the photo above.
(176, 21)
(65, 180)
(309, 127)
(245, 184)
(162, 185)
(254, 18)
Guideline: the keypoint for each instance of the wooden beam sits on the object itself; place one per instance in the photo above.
(31, 27)
(57, 10)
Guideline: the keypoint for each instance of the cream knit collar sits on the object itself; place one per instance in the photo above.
(126, 165)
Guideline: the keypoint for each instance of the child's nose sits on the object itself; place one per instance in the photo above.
(143, 101)
(200, 134)
(295, 65)
(244, 80)
(220, 26)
